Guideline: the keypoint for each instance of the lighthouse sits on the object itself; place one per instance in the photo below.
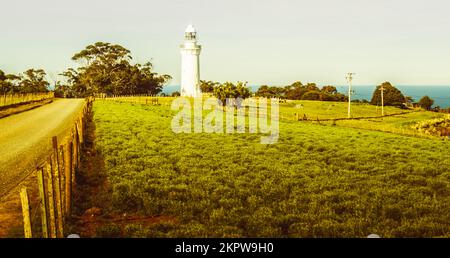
(190, 64)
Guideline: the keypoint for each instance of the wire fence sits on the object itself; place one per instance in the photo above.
(56, 183)
(138, 99)
(290, 116)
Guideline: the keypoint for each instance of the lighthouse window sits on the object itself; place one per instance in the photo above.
(190, 35)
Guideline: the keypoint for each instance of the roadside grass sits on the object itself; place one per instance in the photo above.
(317, 181)
(22, 107)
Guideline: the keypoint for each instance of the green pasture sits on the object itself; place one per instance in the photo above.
(318, 180)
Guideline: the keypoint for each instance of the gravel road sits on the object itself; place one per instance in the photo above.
(25, 138)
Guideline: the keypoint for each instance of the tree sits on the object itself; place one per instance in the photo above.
(103, 70)
(391, 95)
(148, 82)
(2, 76)
(3, 84)
(12, 83)
(270, 92)
(242, 91)
(103, 53)
(207, 86)
(107, 69)
(312, 87)
(230, 90)
(295, 91)
(297, 84)
(329, 89)
(176, 94)
(426, 102)
(311, 95)
(34, 81)
(409, 101)
(76, 88)
(263, 91)
(333, 97)
(63, 90)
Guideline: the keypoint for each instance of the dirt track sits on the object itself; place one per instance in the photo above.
(25, 138)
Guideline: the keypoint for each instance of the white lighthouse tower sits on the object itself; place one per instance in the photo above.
(190, 64)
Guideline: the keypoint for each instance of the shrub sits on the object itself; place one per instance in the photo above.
(311, 95)
(392, 96)
(426, 102)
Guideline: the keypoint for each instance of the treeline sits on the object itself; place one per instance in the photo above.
(106, 68)
(299, 91)
(222, 91)
(30, 81)
(295, 91)
(226, 90)
(392, 96)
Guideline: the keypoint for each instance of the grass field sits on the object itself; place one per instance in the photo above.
(333, 110)
(317, 181)
(326, 110)
(312, 109)
(399, 124)
(391, 123)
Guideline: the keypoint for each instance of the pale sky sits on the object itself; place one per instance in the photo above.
(271, 42)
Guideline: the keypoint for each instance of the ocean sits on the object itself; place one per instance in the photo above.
(440, 94)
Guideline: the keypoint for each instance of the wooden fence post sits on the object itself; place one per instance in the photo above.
(75, 148)
(80, 131)
(55, 181)
(57, 187)
(43, 208)
(57, 196)
(68, 172)
(25, 213)
(51, 199)
(74, 159)
(62, 175)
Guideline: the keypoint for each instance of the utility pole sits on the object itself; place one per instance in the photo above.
(349, 78)
(382, 100)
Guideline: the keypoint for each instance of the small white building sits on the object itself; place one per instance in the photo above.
(190, 64)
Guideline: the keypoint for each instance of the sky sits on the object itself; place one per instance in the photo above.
(274, 42)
